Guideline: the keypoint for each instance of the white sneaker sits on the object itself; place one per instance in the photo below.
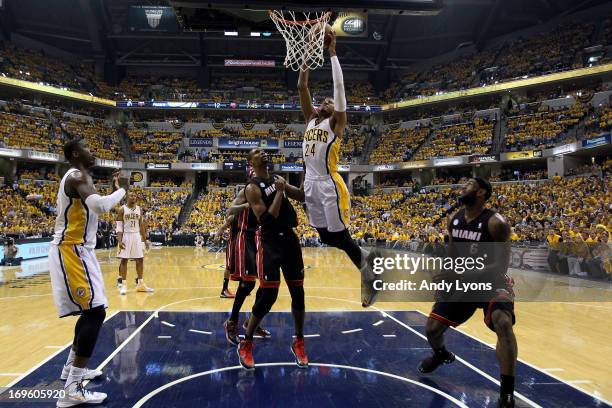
(142, 287)
(89, 374)
(79, 395)
(122, 288)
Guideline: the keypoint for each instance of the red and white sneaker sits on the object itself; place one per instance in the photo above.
(297, 348)
(245, 354)
(231, 332)
(226, 294)
(259, 331)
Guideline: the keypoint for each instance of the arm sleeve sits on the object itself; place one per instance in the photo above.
(339, 96)
(119, 227)
(104, 204)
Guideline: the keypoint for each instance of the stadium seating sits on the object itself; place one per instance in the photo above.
(162, 207)
(458, 140)
(101, 139)
(155, 146)
(544, 128)
(20, 217)
(28, 132)
(209, 211)
(398, 145)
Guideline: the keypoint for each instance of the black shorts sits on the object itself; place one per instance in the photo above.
(276, 251)
(240, 257)
(455, 313)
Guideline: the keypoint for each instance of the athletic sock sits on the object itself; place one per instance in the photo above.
(507, 385)
(75, 376)
(225, 282)
(299, 336)
(70, 358)
(247, 337)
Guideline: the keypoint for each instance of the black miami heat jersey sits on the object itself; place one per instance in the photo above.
(476, 230)
(287, 217)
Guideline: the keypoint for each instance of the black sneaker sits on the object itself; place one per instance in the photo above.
(368, 293)
(432, 362)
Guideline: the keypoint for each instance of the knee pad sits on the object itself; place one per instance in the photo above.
(88, 328)
(264, 304)
(297, 297)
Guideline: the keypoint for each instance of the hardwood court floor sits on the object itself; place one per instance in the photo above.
(571, 339)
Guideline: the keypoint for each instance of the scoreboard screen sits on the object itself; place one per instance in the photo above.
(234, 165)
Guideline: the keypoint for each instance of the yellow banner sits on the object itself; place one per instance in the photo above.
(576, 73)
(54, 91)
(527, 154)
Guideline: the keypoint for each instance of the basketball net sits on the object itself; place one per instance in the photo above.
(304, 37)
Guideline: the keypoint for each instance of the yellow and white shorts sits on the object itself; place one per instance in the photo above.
(134, 247)
(76, 279)
(328, 202)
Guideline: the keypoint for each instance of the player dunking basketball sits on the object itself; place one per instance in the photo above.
(471, 225)
(327, 197)
(76, 278)
(132, 237)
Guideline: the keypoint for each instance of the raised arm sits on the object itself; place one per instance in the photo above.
(81, 185)
(239, 204)
(305, 99)
(339, 119)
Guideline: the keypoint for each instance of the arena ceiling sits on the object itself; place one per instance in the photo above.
(98, 29)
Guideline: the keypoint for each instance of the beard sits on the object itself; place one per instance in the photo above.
(467, 199)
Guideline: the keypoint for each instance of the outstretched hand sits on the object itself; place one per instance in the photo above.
(116, 185)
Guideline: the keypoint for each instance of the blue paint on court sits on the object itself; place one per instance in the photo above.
(372, 367)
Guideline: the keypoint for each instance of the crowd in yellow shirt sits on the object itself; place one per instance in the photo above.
(155, 146)
(398, 145)
(101, 139)
(459, 140)
(544, 128)
(28, 132)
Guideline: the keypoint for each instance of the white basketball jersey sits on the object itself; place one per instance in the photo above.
(75, 224)
(131, 219)
(321, 149)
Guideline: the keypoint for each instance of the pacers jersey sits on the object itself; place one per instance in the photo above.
(131, 219)
(321, 149)
(75, 224)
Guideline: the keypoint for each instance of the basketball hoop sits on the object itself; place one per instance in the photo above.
(304, 36)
